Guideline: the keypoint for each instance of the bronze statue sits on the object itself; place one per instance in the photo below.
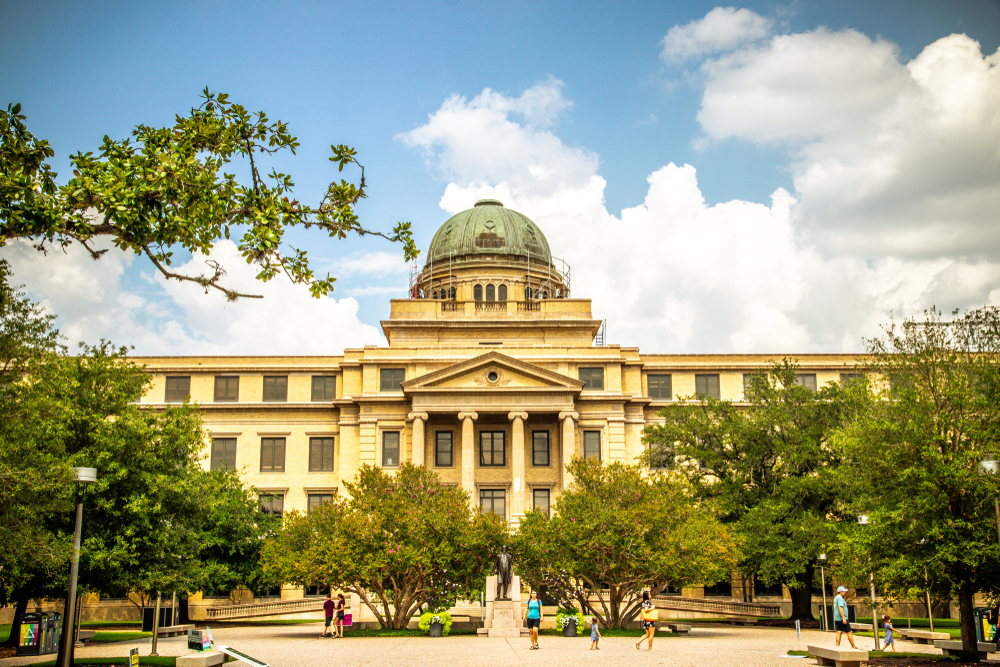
(505, 573)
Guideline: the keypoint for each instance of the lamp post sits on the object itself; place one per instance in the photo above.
(82, 476)
(822, 581)
(863, 521)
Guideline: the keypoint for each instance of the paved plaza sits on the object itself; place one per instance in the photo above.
(299, 646)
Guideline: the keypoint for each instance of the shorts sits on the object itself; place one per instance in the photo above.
(534, 622)
(328, 620)
(340, 615)
(646, 625)
(842, 626)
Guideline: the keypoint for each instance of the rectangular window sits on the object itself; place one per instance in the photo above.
(390, 449)
(847, 379)
(324, 387)
(540, 500)
(807, 380)
(320, 454)
(390, 379)
(493, 500)
(707, 386)
(721, 589)
(592, 445)
(276, 388)
(178, 389)
(660, 386)
(272, 503)
(223, 453)
(317, 591)
(317, 499)
(227, 389)
(539, 448)
(272, 455)
(593, 378)
(443, 449)
(491, 449)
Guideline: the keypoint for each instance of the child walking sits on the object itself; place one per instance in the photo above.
(595, 633)
(887, 626)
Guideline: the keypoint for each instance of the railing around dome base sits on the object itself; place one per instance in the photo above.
(717, 606)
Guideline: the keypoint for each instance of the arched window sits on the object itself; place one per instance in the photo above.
(434, 294)
(502, 293)
(545, 295)
(477, 292)
(491, 293)
(451, 293)
(527, 292)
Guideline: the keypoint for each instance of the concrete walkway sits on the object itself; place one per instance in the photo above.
(299, 646)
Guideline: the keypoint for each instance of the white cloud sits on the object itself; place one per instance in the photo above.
(365, 263)
(675, 274)
(887, 158)
(156, 316)
(722, 29)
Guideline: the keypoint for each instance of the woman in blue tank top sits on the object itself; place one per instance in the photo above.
(533, 614)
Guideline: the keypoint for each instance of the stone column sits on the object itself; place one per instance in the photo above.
(568, 420)
(517, 466)
(417, 440)
(469, 454)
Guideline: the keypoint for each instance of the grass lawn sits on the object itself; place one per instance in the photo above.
(111, 624)
(159, 661)
(4, 633)
(900, 622)
(109, 636)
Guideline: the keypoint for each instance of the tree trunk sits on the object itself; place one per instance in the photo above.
(970, 648)
(20, 607)
(802, 596)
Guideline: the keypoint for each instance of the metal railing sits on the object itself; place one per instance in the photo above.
(264, 609)
(717, 606)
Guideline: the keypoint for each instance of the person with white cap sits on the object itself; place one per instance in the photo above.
(840, 622)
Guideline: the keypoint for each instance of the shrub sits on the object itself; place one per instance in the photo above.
(442, 617)
(566, 616)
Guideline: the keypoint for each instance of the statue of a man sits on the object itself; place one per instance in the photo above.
(505, 573)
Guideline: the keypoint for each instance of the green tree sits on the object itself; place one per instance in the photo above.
(770, 466)
(166, 188)
(617, 531)
(401, 541)
(915, 459)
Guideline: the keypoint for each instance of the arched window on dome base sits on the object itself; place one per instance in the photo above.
(477, 292)
(491, 294)
(452, 293)
(502, 293)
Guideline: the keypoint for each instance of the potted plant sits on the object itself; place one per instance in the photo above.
(569, 620)
(435, 623)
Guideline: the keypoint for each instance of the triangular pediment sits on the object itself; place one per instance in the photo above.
(492, 370)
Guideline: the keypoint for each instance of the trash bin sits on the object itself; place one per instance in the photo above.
(851, 618)
(50, 636)
(147, 618)
(30, 640)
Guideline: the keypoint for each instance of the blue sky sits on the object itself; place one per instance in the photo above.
(619, 109)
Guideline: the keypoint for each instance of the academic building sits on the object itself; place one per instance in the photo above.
(495, 376)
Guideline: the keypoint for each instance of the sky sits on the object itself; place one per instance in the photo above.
(763, 177)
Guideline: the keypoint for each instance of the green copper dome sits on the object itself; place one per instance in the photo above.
(488, 229)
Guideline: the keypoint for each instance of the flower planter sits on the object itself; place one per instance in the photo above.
(435, 630)
(569, 630)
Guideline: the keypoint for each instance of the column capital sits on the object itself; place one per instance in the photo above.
(523, 416)
(422, 416)
(575, 416)
(462, 416)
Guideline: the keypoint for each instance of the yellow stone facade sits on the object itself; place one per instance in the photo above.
(500, 380)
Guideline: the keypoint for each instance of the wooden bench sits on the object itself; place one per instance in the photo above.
(203, 659)
(677, 628)
(954, 647)
(924, 636)
(174, 630)
(741, 620)
(841, 657)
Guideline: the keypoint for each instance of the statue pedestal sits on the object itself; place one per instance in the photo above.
(503, 617)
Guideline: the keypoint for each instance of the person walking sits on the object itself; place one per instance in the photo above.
(840, 623)
(328, 614)
(595, 633)
(533, 615)
(340, 616)
(648, 621)
(887, 626)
